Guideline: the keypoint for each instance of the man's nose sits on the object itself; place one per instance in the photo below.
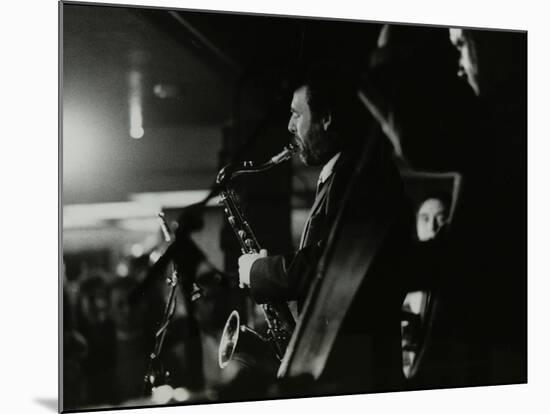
(291, 127)
(461, 68)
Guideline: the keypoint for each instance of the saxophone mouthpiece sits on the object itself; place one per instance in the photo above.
(285, 154)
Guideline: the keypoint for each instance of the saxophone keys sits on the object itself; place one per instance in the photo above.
(231, 220)
(242, 234)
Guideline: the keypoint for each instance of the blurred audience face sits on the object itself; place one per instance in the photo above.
(467, 64)
(95, 306)
(431, 218)
(126, 318)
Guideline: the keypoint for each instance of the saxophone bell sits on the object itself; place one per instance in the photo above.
(229, 339)
(244, 345)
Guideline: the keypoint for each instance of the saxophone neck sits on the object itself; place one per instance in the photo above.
(231, 171)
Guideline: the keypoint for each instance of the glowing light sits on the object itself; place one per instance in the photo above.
(136, 132)
(137, 250)
(122, 270)
(166, 90)
(135, 104)
(162, 394)
(175, 199)
(95, 214)
(181, 394)
(154, 256)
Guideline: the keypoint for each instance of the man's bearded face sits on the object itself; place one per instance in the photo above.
(309, 133)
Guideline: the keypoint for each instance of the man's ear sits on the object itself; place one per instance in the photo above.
(326, 121)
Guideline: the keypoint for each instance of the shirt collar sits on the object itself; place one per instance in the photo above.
(326, 172)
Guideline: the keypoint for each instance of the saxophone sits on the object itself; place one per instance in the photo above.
(280, 322)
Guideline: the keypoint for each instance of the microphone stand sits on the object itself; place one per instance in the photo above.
(156, 375)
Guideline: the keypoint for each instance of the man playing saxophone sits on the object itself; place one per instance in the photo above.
(333, 129)
(329, 125)
(322, 111)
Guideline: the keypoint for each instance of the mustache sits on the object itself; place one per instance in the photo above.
(297, 141)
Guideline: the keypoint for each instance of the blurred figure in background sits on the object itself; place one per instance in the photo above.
(95, 325)
(494, 64)
(75, 349)
(131, 344)
(432, 219)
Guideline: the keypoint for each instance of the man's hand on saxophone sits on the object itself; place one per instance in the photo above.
(245, 264)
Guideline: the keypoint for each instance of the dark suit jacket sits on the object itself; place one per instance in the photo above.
(287, 277)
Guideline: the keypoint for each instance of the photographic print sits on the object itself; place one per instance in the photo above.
(258, 207)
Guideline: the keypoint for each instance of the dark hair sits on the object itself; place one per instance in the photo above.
(332, 89)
